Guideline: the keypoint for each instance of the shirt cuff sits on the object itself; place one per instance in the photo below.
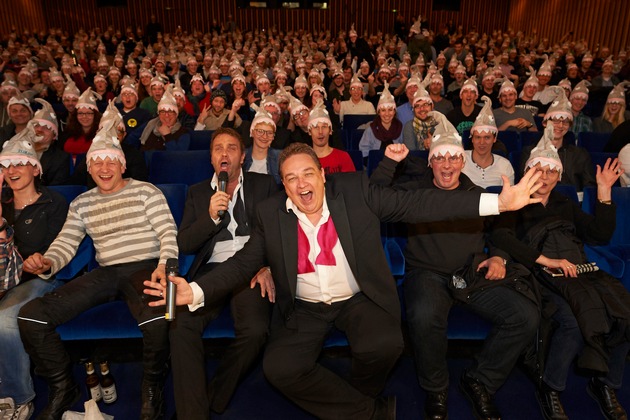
(199, 126)
(488, 204)
(198, 297)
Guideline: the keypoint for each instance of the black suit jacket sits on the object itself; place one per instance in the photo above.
(357, 208)
(197, 232)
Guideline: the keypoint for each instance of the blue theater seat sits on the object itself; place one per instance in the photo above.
(200, 140)
(181, 167)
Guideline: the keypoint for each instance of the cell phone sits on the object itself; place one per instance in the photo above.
(553, 272)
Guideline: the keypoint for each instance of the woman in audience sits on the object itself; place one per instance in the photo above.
(261, 157)
(385, 129)
(32, 216)
(592, 309)
(82, 125)
(614, 111)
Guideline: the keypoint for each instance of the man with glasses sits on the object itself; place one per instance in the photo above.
(214, 239)
(437, 255)
(356, 105)
(300, 115)
(576, 161)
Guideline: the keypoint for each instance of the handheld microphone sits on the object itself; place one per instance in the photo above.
(223, 181)
(172, 268)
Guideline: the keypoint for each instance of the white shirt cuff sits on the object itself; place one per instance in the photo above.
(488, 204)
(198, 297)
(199, 126)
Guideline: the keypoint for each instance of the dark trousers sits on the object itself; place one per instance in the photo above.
(290, 361)
(251, 314)
(428, 301)
(567, 341)
(39, 318)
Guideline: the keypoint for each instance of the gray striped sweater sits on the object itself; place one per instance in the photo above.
(133, 224)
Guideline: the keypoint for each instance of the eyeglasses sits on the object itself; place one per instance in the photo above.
(162, 112)
(422, 105)
(548, 172)
(263, 133)
(300, 114)
(442, 159)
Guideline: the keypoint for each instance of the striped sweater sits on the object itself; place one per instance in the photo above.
(133, 224)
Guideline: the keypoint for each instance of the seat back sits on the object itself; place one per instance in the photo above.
(352, 121)
(181, 167)
(176, 198)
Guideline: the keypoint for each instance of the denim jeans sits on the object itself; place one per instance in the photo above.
(15, 365)
(567, 342)
(428, 301)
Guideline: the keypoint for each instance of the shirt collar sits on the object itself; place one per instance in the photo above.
(303, 218)
(214, 182)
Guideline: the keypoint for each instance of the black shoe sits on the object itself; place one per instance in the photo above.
(550, 404)
(435, 407)
(385, 408)
(63, 393)
(606, 399)
(481, 399)
(152, 400)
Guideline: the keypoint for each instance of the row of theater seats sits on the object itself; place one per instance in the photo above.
(112, 320)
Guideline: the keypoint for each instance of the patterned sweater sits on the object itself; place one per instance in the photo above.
(133, 224)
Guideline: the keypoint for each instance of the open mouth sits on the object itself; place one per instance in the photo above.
(306, 196)
(224, 165)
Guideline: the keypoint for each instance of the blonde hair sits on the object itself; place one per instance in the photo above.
(615, 120)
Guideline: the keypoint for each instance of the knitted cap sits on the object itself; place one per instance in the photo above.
(485, 120)
(319, 115)
(618, 93)
(387, 99)
(581, 90)
(19, 149)
(168, 102)
(261, 117)
(106, 144)
(177, 89)
(218, 93)
(545, 68)
(545, 152)
(88, 99)
(270, 100)
(507, 86)
(356, 81)
(129, 86)
(295, 105)
(71, 90)
(446, 139)
(532, 79)
(46, 116)
(20, 99)
(421, 95)
(470, 84)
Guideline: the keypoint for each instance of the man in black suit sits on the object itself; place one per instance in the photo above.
(322, 242)
(214, 239)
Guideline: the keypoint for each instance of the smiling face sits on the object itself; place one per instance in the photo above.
(421, 109)
(107, 174)
(508, 99)
(482, 142)
(387, 114)
(21, 176)
(446, 170)
(226, 154)
(19, 114)
(263, 135)
(304, 183)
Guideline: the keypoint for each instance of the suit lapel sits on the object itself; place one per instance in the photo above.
(339, 214)
(288, 239)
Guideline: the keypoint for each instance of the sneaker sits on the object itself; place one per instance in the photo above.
(7, 407)
(23, 412)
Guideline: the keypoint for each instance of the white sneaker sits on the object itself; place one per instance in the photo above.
(7, 408)
(23, 412)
